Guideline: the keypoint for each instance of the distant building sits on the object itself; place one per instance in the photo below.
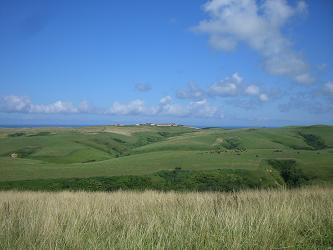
(167, 125)
(14, 155)
(158, 125)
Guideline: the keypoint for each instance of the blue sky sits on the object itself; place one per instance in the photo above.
(209, 63)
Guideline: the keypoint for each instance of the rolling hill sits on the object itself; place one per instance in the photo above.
(109, 151)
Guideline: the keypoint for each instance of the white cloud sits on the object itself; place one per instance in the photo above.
(192, 91)
(223, 89)
(199, 108)
(227, 87)
(24, 105)
(166, 100)
(135, 107)
(86, 107)
(56, 107)
(263, 97)
(235, 86)
(14, 103)
(252, 90)
(329, 87)
(166, 107)
(143, 87)
(222, 43)
(304, 78)
(230, 87)
(302, 7)
(258, 24)
(203, 109)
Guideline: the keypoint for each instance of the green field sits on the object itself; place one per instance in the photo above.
(148, 151)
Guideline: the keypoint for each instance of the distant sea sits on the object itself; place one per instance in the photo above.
(45, 126)
(89, 125)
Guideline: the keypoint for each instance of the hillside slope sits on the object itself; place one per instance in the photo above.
(46, 153)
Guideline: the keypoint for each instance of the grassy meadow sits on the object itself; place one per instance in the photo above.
(266, 219)
(148, 187)
(164, 158)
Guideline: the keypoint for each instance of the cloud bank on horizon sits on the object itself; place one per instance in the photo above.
(166, 106)
(199, 106)
(285, 84)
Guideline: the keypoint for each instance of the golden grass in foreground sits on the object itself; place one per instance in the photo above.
(300, 219)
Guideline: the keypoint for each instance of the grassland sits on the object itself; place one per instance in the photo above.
(64, 155)
(275, 171)
(280, 219)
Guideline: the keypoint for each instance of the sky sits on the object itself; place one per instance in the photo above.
(203, 63)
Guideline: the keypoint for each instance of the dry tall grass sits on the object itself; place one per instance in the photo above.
(300, 219)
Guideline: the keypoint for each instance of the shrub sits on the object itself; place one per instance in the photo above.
(314, 141)
(232, 143)
(292, 176)
(16, 134)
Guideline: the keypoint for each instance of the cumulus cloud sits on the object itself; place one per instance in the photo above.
(223, 89)
(305, 78)
(166, 100)
(227, 87)
(252, 90)
(14, 103)
(191, 91)
(21, 104)
(135, 107)
(200, 108)
(329, 87)
(143, 87)
(56, 107)
(167, 107)
(203, 109)
(263, 97)
(235, 86)
(232, 86)
(259, 25)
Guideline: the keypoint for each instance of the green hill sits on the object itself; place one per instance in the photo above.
(107, 151)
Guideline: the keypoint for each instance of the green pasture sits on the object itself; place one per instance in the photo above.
(47, 153)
